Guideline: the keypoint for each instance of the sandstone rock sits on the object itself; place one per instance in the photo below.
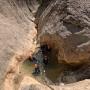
(29, 83)
(17, 34)
(66, 26)
(82, 85)
(62, 24)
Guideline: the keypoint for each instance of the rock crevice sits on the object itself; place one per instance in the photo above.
(64, 25)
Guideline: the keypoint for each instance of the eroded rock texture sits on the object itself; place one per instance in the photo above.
(17, 34)
(62, 24)
(65, 26)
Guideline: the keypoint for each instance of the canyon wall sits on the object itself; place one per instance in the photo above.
(65, 25)
(17, 35)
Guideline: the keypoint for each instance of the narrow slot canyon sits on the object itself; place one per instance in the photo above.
(32, 31)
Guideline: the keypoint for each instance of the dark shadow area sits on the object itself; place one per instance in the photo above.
(72, 27)
(54, 71)
(63, 72)
(43, 5)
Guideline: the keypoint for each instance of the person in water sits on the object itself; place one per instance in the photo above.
(36, 70)
(45, 49)
(45, 60)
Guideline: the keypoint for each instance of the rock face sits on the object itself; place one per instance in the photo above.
(82, 85)
(66, 25)
(17, 34)
(62, 24)
(31, 84)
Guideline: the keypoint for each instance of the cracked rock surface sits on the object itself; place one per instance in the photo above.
(62, 24)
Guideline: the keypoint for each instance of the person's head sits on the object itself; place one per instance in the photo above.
(33, 58)
(36, 65)
(45, 57)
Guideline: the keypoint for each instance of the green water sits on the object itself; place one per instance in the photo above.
(52, 71)
(27, 68)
